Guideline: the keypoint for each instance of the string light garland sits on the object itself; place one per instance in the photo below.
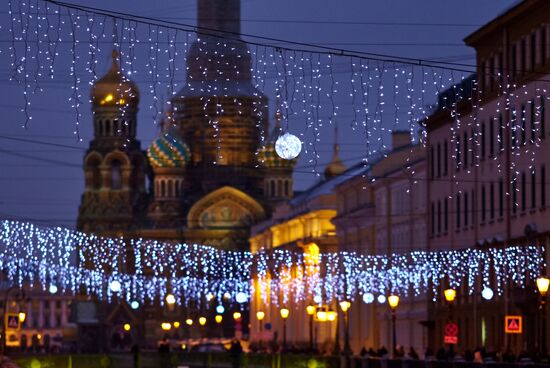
(73, 263)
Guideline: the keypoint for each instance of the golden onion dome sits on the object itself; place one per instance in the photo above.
(336, 166)
(114, 88)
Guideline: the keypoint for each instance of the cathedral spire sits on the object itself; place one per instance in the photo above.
(336, 166)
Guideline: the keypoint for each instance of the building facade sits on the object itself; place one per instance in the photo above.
(375, 208)
(488, 156)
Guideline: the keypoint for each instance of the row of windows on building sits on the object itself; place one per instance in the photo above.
(114, 128)
(472, 146)
(277, 188)
(524, 55)
(527, 191)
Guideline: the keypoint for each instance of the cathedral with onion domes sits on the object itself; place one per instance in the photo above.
(211, 173)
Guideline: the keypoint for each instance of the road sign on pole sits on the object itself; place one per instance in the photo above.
(451, 333)
(12, 322)
(513, 324)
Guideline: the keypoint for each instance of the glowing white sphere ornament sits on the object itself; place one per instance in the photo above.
(241, 297)
(368, 298)
(134, 305)
(53, 289)
(381, 299)
(115, 286)
(288, 146)
(487, 293)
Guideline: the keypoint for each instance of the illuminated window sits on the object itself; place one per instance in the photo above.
(116, 176)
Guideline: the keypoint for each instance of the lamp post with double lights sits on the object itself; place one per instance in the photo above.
(393, 301)
(311, 309)
(284, 315)
(543, 283)
(345, 305)
(450, 296)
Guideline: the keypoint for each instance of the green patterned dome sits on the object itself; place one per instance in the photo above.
(168, 150)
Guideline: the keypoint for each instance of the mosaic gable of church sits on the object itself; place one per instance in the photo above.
(226, 207)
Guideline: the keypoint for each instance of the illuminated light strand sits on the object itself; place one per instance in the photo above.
(71, 260)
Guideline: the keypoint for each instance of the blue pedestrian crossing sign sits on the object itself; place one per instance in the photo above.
(12, 322)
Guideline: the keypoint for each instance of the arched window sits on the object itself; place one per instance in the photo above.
(287, 188)
(162, 189)
(177, 188)
(116, 175)
(170, 189)
(279, 188)
(272, 188)
(107, 127)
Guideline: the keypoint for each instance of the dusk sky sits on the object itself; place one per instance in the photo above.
(41, 177)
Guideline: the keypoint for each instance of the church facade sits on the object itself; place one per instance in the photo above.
(210, 175)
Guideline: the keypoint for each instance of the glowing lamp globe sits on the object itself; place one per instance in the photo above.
(331, 315)
(288, 146)
(218, 318)
(237, 315)
(450, 295)
(202, 321)
(310, 309)
(487, 293)
(220, 309)
(543, 283)
(321, 316)
(344, 305)
(318, 299)
(22, 317)
(134, 305)
(368, 298)
(165, 326)
(189, 322)
(284, 313)
(381, 299)
(393, 301)
(260, 315)
(53, 289)
(115, 286)
(241, 297)
(170, 299)
(176, 324)
(127, 327)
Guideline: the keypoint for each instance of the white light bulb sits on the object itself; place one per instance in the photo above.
(318, 299)
(381, 299)
(134, 304)
(220, 309)
(53, 289)
(288, 146)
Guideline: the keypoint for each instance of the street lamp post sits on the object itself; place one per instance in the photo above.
(260, 315)
(22, 315)
(450, 296)
(284, 315)
(393, 301)
(311, 309)
(543, 283)
(345, 305)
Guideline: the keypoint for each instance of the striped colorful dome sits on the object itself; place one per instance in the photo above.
(168, 150)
